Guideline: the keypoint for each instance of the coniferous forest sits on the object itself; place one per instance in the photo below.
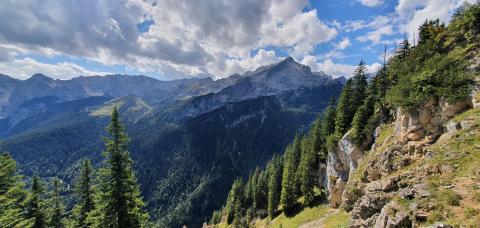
(106, 197)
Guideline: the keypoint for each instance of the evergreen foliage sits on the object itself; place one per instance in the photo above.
(57, 210)
(84, 193)
(289, 191)
(234, 200)
(275, 170)
(118, 202)
(12, 194)
(36, 208)
(308, 169)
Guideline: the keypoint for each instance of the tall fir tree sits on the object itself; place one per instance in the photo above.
(84, 192)
(36, 210)
(234, 200)
(290, 177)
(118, 202)
(359, 86)
(12, 194)
(57, 210)
(274, 184)
(261, 191)
(308, 169)
(344, 115)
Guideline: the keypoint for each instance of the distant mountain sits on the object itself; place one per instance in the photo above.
(189, 138)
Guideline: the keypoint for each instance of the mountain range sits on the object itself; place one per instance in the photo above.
(189, 138)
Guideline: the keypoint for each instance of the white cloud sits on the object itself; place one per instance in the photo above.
(24, 68)
(335, 69)
(371, 3)
(343, 44)
(413, 13)
(375, 36)
(189, 36)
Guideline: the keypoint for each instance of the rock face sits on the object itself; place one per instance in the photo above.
(340, 164)
(428, 122)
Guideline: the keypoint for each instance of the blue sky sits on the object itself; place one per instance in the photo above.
(170, 39)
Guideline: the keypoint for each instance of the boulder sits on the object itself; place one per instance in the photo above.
(381, 185)
(392, 216)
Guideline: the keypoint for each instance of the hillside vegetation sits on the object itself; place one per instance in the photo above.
(387, 151)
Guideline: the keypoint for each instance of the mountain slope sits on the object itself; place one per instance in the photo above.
(187, 149)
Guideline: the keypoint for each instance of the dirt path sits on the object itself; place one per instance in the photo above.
(318, 223)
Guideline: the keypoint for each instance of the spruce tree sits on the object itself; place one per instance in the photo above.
(36, 210)
(359, 87)
(308, 169)
(84, 192)
(289, 177)
(118, 202)
(12, 194)
(261, 191)
(57, 208)
(344, 115)
(274, 184)
(234, 200)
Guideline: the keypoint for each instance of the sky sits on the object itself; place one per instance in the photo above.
(172, 39)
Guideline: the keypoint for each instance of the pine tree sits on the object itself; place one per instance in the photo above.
(234, 200)
(261, 191)
(274, 184)
(238, 215)
(118, 202)
(327, 128)
(359, 86)
(404, 49)
(57, 208)
(360, 120)
(248, 193)
(84, 192)
(289, 177)
(36, 205)
(344, 115)
(12, 194)
(308, 169)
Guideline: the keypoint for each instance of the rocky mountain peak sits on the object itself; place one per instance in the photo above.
(39, 77)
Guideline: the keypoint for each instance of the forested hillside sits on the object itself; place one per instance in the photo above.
(106, 197)
(187, 149)
(417, 91)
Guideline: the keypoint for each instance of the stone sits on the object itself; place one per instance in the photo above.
(466, 124)
(416, 135)
(452, 127)
(406, 193)
(421, 190)
(381, 185)
(392, 216)
(369, 205)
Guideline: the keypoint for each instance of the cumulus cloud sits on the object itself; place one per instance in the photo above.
(24, 68)
(371, 3)
(413, 13)
(375, 36)
(190, 36)
(328, 66)
(343, 44)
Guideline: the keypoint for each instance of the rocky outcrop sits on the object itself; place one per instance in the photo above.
(370, 192)
(428, 122)
(340, 164)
